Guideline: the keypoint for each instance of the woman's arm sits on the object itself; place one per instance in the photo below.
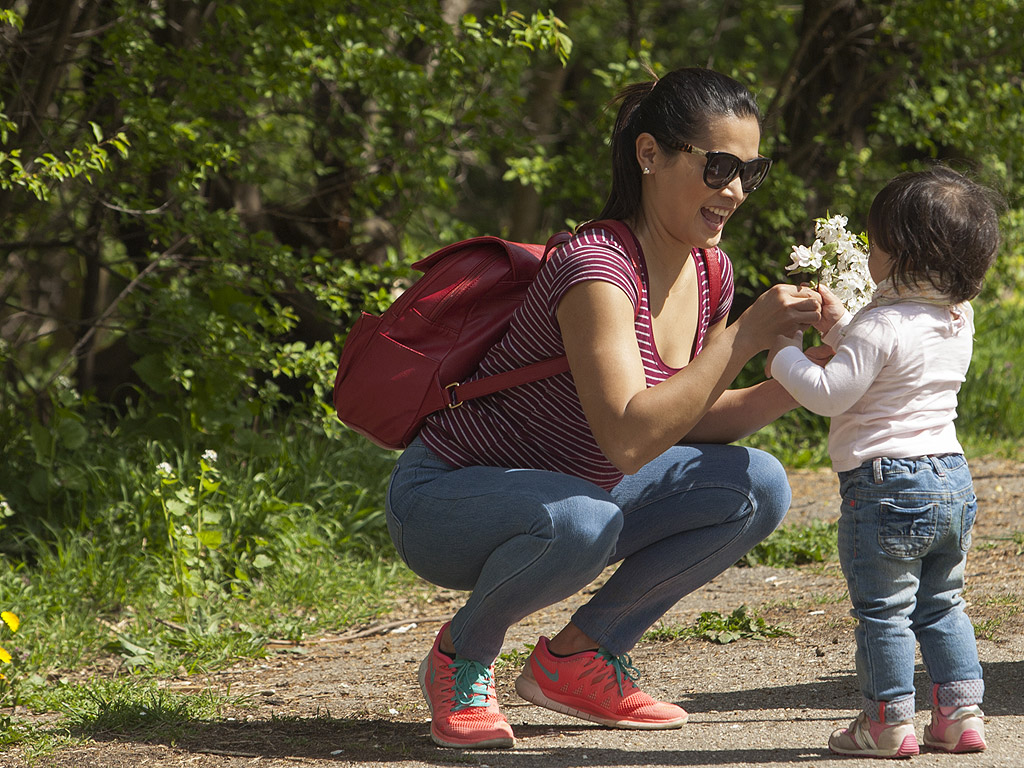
(633, 423)
(739, 413)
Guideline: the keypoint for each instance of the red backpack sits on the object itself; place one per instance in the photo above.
(399, 367)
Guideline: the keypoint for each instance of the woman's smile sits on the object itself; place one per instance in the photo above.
(715, 216)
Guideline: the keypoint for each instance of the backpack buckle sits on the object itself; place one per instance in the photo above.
(453, 397)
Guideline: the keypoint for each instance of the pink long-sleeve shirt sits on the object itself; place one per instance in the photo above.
(891, 388)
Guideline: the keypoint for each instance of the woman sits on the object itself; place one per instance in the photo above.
(524, 497)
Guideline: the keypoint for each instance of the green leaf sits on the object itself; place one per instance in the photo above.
(72, 434)
(211, 538)
(43, 441)
(262, 561)
(153, 371)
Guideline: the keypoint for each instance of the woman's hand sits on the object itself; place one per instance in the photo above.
(832, 310)
(782, 310)
(820, 355)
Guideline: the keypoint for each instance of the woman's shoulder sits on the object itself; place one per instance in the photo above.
(603, 246)
(595, 253)
(613, 236)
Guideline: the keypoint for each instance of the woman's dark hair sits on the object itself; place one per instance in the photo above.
(937, 225)
(675, 109)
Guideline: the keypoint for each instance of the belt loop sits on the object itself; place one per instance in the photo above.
(876, 467)
(937, 466)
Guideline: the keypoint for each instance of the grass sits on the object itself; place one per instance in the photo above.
(716, 628)
(122, 707)
(202, 564)
(815, 542)
(1007, 606)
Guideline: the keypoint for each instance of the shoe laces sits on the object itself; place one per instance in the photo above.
(473, 683)
(621, 666)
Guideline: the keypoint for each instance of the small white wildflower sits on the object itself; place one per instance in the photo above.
(164, 469)
(187, 530)
(210, 456)
(5, 509)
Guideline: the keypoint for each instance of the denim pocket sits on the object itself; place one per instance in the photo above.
(967, 523)
(906, 531)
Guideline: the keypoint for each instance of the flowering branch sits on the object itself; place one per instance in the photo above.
(838, 259)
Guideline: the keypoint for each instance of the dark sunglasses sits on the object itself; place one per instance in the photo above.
(721, 168)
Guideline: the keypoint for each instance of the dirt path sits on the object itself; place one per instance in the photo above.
(345, 703)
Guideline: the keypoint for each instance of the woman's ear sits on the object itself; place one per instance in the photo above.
(647, 151)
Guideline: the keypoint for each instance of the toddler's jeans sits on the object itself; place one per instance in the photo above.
(904, 533)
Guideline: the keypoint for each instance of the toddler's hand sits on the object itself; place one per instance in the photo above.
(832, 310)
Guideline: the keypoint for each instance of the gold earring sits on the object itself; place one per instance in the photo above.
(647, 171)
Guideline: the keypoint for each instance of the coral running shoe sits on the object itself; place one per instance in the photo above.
(870, 738)
(594, 686)
(963, 730)
(463, 703)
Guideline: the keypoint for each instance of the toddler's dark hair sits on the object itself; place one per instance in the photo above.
(937, 226)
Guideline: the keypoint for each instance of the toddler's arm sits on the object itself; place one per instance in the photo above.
(796, 340)
(834, 388)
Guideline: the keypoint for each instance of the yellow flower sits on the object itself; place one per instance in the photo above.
(5, 657)
(11, 620)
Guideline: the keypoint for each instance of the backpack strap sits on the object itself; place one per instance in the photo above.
(713, 265)
(488, 385)
(627, 239)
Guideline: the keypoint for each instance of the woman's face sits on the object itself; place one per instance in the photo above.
(677, 198)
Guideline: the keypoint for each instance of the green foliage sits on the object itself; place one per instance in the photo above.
(815, 542)
(716, 628)
(266, 152)
(990, 402)
(512, 661)
(48, 170)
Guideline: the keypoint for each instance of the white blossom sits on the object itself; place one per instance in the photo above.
(806, 259)
(210, 456)
(164, 469)
(830, 230)
(839, 259)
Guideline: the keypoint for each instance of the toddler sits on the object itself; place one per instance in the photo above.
(908, 502)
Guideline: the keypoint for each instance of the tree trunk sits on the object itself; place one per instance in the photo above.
(547, 82)
(834, 79)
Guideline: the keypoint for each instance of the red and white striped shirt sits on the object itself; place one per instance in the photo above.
(541, 425)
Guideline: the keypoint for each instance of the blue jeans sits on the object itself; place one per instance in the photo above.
(520, 540)
(904, 533)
